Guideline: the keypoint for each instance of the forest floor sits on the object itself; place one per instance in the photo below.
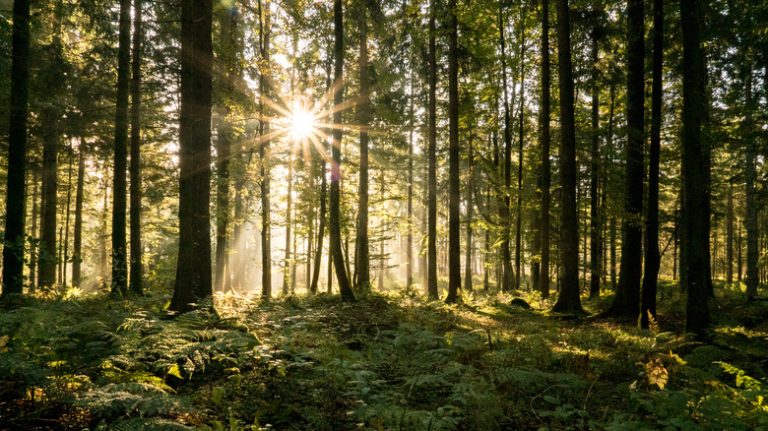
(386, 362)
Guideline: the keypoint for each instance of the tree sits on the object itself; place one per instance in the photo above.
(568, 301)
(13, 251)
(136, 266)
(652, 254)
(432, 292)
(77, 254)
(363, 260)
(544, 139)
(119, 180)
(337, 135)
(626, 303)
(265, 16)
(504, 207)
(695, 241)
(454, 193)
(595, 228)
(193, 271)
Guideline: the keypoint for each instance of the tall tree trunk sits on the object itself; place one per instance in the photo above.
(288, 262)
(750, 147)
(652, 254)
(729, 236)
(136, 265)
(520, 142)
(739, 257)
(320, 230)
(67, 216)
(544, 138)
(626, 303)
(77, 253)
(193, 272)
(103, 256)
(454, 192)
(409, 240)
(337, 134)
(507, 276)
(568, 300)
(363, 259)
(432, 292)
(15, 198)
(594, 211)
(695, 190)
(119, 179)
(468, 267)
(35, 233)
(265, 16)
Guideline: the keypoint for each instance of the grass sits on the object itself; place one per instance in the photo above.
(387, 362)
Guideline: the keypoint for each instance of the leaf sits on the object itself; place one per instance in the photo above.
(551, 399)
(174, 371)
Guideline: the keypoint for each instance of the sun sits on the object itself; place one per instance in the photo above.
(301, 123)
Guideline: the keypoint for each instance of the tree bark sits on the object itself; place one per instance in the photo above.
(15, 198)
(729, 236)
(454, 193)
(193, 275)
(594, 211)
(362, 265)
(136, 266)
(470, 213)
(507, 276)
(544, 142)
(652, 254)
(335, 196)
(750, 172)
(265, 17)
(77, 253)
(432, 292)
(520, 142)
(568, 300)
(696, 243)
(626, 303)
(119, 178)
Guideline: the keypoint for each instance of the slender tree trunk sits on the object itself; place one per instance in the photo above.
(119, 180)
(595, 212)
(409, 241)
(468, 267)
(288, 262)
(695, 190)
(35, 233)
(454, 193)
(193, 272)
(320, 230)
(136, 266)
(507, 276)
(77, 253)
(15, 198)
(363, 259)
(103, 257)
(729, 236)
(739, 261)
(520, 142)
(544, 139)
(67, 216)
(568, 300)
(265, 17)
(337, 134)
(626, 303)
(652, 254)
(432, 292)
(750, 172)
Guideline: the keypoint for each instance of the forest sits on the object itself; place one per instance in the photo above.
(230, 215)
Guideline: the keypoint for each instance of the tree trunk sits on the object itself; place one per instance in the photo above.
(409, 241)
(193, 276)
(136, 265)
(729, 236)
(320, 231)
(363, 259)
(432, 292)
(695, 190)
(265, 17)
(520, 141)
(288, 262)
(77, 253)
(67, 216)
(568, 300)
(626, 303)
(507, 276)
(652, 254)
(544, 138)
(35, 233)
(750, 147)
(470, 214)
(335, 196)
(454, 193)
(15, 198)
(594, 211)
(119, 180)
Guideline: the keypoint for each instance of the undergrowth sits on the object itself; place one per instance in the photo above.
(387, 362)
